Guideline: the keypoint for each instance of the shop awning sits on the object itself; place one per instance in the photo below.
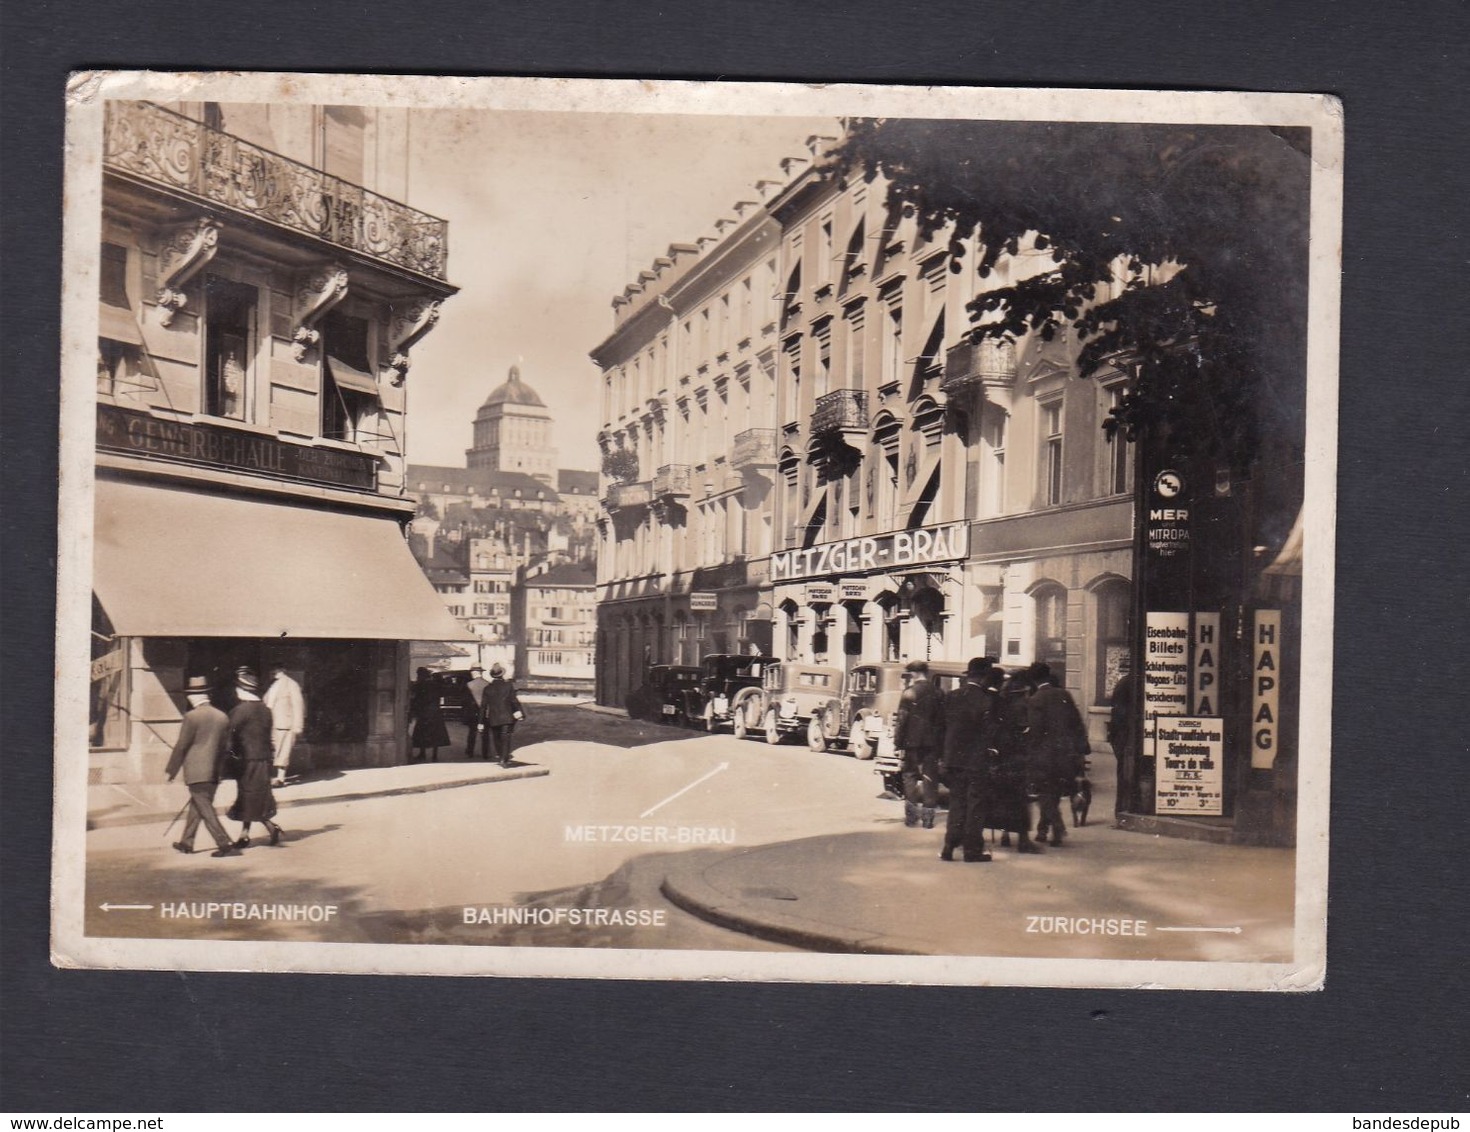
(350, 377)
(117, 324)
(181, 563)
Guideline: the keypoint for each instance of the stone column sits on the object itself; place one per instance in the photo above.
(805, 625)
(872, 621)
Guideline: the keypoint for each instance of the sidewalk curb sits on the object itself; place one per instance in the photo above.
(688, 890)
(328, 799)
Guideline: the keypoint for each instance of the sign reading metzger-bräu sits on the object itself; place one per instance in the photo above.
(881, 552)
(193, 442)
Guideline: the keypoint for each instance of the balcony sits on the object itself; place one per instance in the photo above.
(672, 482)
(754, 448)
(155, 145)
(622, 496)
(989, 363)
(840, 413)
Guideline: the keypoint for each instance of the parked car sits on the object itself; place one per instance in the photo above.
(730, 680)
(858, 719)
(454, 697)
(791, 693)
(667, 694)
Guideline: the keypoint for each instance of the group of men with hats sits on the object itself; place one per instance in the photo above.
(994, 741)
(492, 709)
(243, 744)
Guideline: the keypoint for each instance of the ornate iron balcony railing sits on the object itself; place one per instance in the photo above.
(843, 410)
(180, 153)
(753, 448)
(671, 480)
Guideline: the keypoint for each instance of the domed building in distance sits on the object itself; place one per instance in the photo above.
(513, 432)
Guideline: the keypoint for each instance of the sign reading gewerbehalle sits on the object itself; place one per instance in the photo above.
(219, 446)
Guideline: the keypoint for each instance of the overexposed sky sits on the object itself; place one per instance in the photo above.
(550, 215)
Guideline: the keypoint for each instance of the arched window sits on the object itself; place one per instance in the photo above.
(1114, 605)
(1051, 629)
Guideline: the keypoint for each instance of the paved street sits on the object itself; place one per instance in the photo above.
(681, 840)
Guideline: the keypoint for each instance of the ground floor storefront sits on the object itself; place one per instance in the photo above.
(194, 581)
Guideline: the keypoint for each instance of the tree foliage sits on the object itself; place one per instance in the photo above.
(1205, 228)
(620, 464)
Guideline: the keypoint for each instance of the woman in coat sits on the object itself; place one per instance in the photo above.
(250, 739)
(426, 717)
(1010, 812)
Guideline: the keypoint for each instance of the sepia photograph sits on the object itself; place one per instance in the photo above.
(657, 530)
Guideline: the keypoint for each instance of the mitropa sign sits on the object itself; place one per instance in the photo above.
(879, 552)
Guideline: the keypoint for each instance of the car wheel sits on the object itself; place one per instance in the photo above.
(707, 720)
(864, 748)
(680, 719)
(773, 732)
(738, 722)
(815, 740)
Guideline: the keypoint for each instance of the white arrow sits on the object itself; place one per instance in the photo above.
(685, 790)
(1232, 931)
(124, 907)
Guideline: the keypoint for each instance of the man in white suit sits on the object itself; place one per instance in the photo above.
(288, 719)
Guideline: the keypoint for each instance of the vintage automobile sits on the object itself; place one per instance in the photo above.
(858, 718)
(454, 696)
(667, 694)
(730, 679)
(791, 693)
(947, 675)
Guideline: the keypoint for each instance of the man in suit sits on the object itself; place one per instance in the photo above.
(197, 753)
(967, 727)
(288, 719)
(1125, 724)
(1057, 746)
(918, 731)
(501, 711)
(474, 705)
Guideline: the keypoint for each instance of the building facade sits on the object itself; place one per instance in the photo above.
(841, 475)
(261, 291)
(553, 619)
(689, 453)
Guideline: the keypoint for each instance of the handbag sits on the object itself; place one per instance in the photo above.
(231, 764)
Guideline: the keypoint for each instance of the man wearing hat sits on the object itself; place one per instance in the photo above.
(968, 712)
(500, 712)
(474, 692)
(197, 753)
(250, 738)
(918, 731)
(1057, 748)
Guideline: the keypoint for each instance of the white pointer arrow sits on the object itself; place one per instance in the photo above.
(685, 790)
(125, 907)
(1231, 931)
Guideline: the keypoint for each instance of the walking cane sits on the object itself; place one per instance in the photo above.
(178, 815)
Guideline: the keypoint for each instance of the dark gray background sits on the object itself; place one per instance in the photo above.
(1388, 1033)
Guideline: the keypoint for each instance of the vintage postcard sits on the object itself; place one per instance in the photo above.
(696, 530)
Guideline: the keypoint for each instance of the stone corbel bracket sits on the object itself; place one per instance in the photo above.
(405, 328)
(185, 251)
(319, 292)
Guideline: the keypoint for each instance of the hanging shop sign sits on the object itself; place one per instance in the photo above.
(1168, 515)
(1265, 687)
(703, 602)
(1205, 656)
(1189, 765)
(820, 593)
(238, 450)
(853, 591)
(879, 552)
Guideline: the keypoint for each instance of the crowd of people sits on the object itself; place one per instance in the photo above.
(251, 743)
(997, 742)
